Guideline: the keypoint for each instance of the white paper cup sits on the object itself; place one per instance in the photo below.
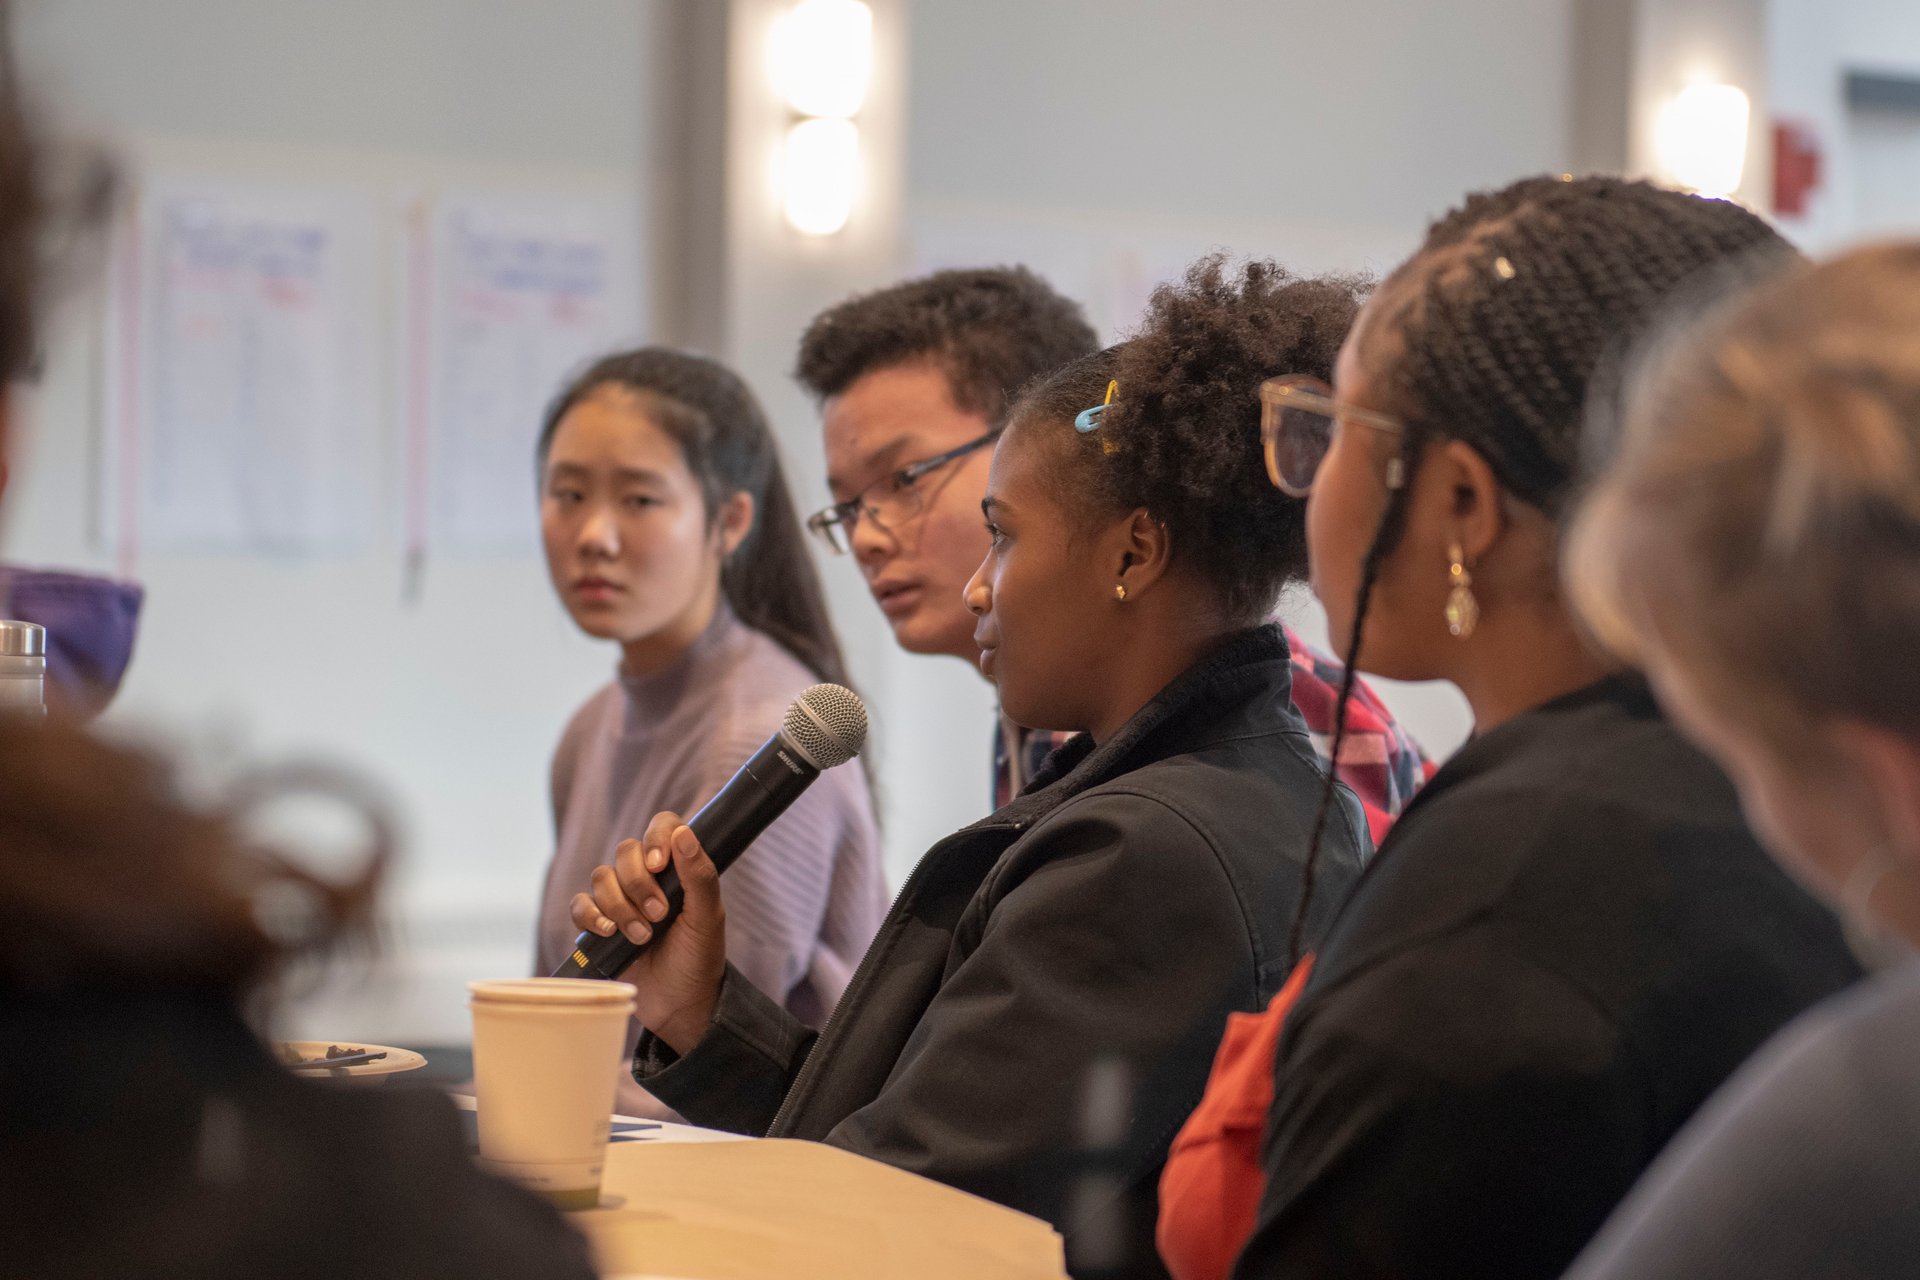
(545, 1053)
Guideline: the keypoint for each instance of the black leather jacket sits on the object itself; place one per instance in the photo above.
(1040, 1010)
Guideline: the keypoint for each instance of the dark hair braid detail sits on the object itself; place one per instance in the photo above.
(1518, 297)
(1387, 536)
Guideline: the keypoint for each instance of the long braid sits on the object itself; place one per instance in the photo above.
(1385, 538)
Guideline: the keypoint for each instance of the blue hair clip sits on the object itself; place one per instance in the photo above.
(1088, 420)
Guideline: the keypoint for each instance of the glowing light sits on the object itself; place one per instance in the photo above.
(1701, 138)
(820, 175)
(823, 56)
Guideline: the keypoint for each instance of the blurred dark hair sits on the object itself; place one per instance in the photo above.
(1759, 530)
(54, 203)
(1182, 436)
(84, 824)
(991, 330)
(770, 579)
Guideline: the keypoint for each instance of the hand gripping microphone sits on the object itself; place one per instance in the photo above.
(825, 726)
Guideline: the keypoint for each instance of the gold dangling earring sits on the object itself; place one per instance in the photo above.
(1463, 611)
(1119, 591)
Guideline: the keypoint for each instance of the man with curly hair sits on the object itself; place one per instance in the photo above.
(914, 382)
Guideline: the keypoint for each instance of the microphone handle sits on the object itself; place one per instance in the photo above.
(765, 785)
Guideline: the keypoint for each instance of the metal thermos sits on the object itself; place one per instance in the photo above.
(23, 670)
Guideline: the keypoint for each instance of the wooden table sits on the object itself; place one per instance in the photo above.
(684, 1203)
(767, 1209)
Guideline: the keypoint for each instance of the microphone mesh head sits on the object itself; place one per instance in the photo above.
(828, 724)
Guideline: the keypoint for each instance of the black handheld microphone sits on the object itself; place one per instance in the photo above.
(825, 726)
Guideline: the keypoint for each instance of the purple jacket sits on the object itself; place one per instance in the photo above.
(90, 624)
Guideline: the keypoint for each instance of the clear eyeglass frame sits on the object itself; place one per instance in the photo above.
(899, 498)
(1298, 419)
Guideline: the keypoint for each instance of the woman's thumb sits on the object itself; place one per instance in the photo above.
(699, 878)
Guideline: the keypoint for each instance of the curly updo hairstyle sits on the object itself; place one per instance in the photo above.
(991, 330)
(57, 196)
(1495, 330)
(1181, 438)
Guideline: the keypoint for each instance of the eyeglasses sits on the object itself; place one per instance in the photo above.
(890, 502)
(1298, 416)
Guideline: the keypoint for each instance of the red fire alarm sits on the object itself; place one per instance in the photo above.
(1796, 167)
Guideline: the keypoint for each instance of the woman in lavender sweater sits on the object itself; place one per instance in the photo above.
(669, 530)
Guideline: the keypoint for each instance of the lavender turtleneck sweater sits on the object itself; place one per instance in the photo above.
(803, 902)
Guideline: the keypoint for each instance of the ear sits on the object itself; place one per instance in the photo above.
(1889, 764)
(1140, 551)
(1475, 515)
(734, 521)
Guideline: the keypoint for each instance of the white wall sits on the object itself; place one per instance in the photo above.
(1885, 147)
(1882, 146)
(1813, 44)
(1228, 119)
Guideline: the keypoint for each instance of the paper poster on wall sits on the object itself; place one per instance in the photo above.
(242, 400)
(507, 295)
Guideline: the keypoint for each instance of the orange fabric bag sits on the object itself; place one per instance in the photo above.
(1210, 1189)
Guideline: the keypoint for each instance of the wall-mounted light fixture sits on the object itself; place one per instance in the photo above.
(821, 170)
(822, 59)
(1700, 139)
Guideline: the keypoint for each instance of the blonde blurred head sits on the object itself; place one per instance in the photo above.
(1755, 545)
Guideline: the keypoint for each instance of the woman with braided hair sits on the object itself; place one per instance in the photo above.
(1571, 938)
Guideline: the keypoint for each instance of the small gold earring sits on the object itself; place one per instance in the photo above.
(1463, 611)
(1119, 591)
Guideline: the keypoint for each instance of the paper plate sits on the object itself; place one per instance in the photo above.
(397, 1060)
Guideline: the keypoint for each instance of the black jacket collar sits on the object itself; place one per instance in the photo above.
(1529, 737)
(1243, 688)
(1516, 778)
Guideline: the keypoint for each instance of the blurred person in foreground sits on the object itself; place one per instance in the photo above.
(146, 1129)
(1757, 547)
